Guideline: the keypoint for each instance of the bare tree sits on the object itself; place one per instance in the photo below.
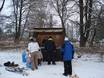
(38, 15)
(18, 7)
(64, 10)
(28, 13)
(98, 20)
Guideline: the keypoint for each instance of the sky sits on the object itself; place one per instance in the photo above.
(7, 8)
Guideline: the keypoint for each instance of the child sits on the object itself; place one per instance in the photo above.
(24, 56)
(28, 59)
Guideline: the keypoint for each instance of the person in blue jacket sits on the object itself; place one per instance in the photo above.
(67, 51)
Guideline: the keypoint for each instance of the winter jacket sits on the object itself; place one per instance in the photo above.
(33, 47)
(39, 55)
(50, 46)
(24, 56)
(67, 51)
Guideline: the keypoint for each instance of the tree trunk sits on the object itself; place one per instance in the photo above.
(20, 19)
(92, 39)
(18, 22)
(82, 41)
(63, 26)
(88, 21)
(84, 29)
(15, 7)
(82, 38)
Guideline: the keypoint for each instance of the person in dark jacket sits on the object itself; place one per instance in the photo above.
(50, 48)
(67, 51)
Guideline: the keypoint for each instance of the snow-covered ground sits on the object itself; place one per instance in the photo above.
(88, 66)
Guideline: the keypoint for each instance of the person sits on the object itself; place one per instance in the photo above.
(23, 55)
(50, 48)
(33, 48)
(28, 59)
(67, 51)
(44, 41)
(39, 57)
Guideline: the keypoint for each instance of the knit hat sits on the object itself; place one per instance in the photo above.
(31, 38)
(66, 39)
(50, 39)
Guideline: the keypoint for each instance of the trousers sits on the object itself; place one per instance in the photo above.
(34, 59)
(68, 67)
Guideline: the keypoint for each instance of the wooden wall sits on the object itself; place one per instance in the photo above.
(57, 37)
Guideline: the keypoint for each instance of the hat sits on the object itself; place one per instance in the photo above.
(31, 38)
(66, 39)
(50, 39)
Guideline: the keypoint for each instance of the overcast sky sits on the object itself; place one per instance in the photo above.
(6, 9)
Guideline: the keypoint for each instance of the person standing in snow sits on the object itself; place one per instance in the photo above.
(50, 48)
(33, 48)
(67, 51)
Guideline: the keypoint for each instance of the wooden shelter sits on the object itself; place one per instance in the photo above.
(42, 33)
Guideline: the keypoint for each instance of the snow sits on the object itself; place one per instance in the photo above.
(88, 66)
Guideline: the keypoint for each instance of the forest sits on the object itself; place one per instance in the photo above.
(82, 20)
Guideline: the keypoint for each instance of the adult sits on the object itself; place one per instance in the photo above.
(33, 48)
(67, 54)
(44, 42)
(50, 48)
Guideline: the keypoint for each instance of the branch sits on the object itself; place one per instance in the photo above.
(75, 22)
(2, 5)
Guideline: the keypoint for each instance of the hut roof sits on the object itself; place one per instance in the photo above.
(46, 30)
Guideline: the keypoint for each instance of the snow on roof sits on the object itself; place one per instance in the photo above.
(46, 30)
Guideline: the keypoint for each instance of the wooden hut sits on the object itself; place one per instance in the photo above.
(42, 33)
